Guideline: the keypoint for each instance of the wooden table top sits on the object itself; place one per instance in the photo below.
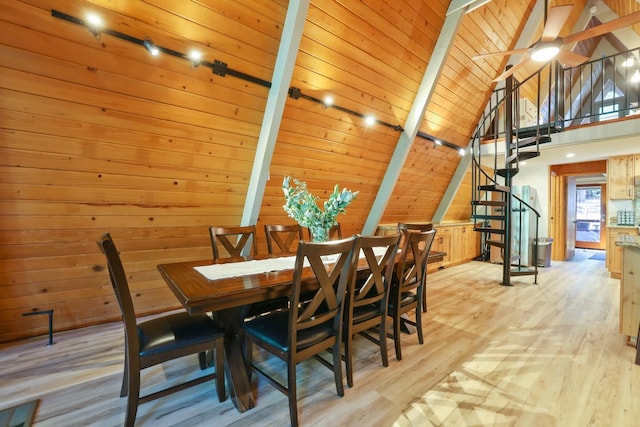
(198, 294)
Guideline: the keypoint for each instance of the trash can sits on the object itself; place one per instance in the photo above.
(544, 251)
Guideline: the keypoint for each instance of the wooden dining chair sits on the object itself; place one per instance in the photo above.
(403, 228)
(368, 296)
(415, 226)
(307, 328)
(408, 284)
(234, 240)
(282, 238)
(159, 340)
(335, 233)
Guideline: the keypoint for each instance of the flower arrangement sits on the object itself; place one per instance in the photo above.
(302, 206)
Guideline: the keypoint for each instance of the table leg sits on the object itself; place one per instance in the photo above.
(235, 368)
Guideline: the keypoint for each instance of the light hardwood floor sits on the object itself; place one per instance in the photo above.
(528, 355)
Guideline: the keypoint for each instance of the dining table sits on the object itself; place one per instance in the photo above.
(228, 287)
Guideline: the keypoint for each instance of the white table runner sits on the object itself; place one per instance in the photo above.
(259, 266)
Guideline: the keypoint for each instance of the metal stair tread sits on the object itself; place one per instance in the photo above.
(507, 172)
(495, 243)
(495, 187)
(521, 155)
(489, 203)
(490, 230)
(486, 216)
(530, 141)
(537, 130)
(523, 270)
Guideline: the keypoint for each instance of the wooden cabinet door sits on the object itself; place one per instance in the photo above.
(458, 244)
(620, 177)
(630, 292)
(472, 249)
(614, 253)
(442, 242)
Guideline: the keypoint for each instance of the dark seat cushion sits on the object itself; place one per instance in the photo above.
(406, 299)
(175, 331)
(272, 329)
(365, 312)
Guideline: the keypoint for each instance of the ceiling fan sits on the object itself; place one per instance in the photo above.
(550, 45)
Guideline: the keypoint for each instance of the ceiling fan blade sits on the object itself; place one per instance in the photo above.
(607, 27)
(526, 60)
(570, 59)
(503, 53)
(555, 21)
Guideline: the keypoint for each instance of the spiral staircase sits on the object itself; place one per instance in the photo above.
(495, 210)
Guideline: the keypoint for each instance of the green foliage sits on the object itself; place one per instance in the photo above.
(303, 207)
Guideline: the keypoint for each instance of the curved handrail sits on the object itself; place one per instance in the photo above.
(527, 205)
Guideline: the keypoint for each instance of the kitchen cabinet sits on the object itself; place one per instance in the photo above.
(614, 253)
(458, 240)
(465, 245)
(442, 243)
(630, 289)
(620, 175)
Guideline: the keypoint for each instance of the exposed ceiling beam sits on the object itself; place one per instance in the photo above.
(282, 72)
(466, 5)
(414, 119)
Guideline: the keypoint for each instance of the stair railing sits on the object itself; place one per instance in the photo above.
(493, 128)
(522, 207)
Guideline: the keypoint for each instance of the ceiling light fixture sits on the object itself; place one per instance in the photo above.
(95, 25)
(439, 142)
(152, 48)
(545, 50)
(218, 67)
(327, 102)
(195, 57)
(369, 120)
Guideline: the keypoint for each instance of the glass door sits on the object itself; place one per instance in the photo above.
(590, 216)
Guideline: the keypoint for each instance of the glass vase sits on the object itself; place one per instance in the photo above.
(319, 234)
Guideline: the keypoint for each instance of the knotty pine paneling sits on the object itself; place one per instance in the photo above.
(96, 136)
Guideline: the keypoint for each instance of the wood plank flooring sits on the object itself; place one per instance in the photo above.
(528, 355)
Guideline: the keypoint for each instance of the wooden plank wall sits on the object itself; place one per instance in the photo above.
(96, 135)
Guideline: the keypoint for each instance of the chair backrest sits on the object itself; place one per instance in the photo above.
(285, 237)
(404, 227)
(372, 289)
(423, 226)
(326, 293)
(335, 233)
(412, 267)
(120, 286)
(234, 240)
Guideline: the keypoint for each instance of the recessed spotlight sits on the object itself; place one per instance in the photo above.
(570, 155)
(462, 151)
(328, 101)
